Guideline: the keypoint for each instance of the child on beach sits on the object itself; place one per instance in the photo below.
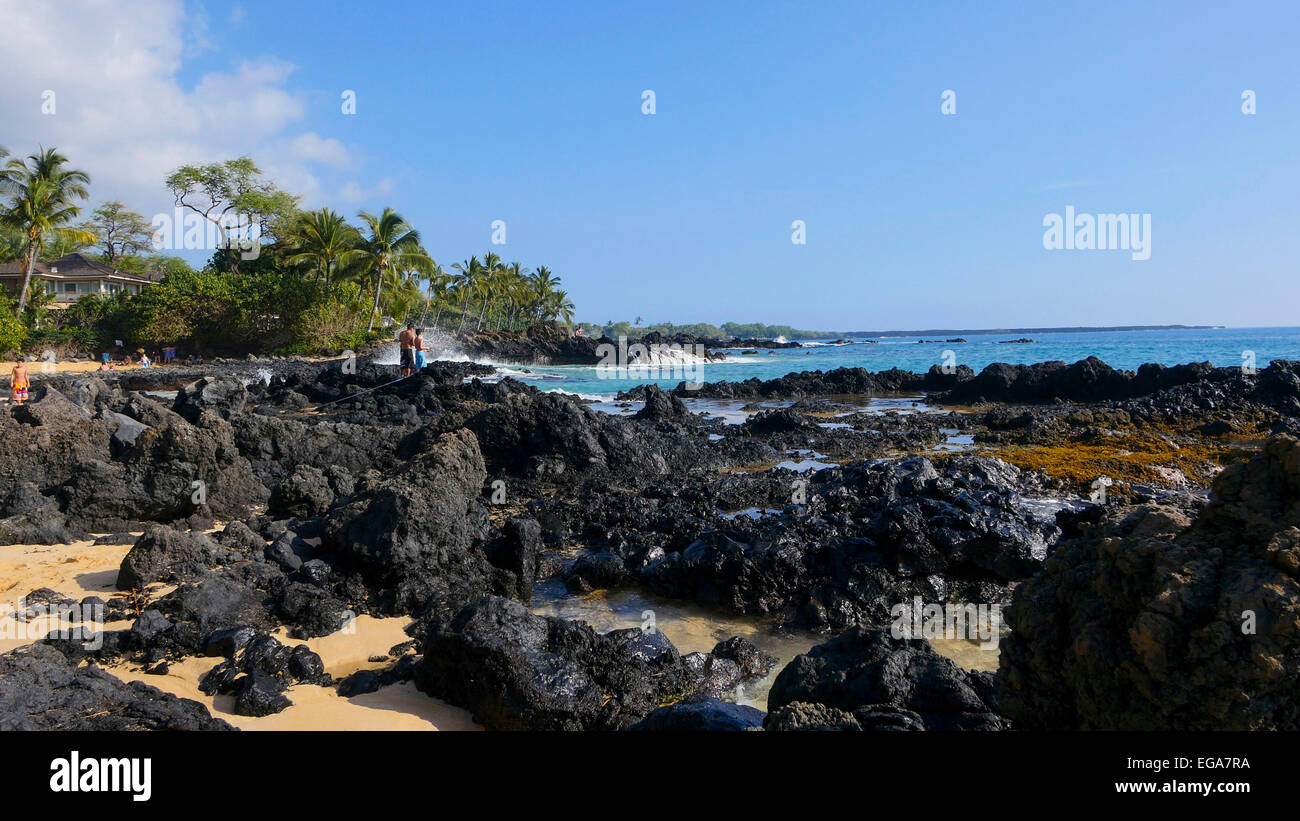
(19, 383)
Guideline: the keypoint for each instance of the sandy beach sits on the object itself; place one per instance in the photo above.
(37, 369)
(84, 569)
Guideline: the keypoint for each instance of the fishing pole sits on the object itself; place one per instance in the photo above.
(362, 393)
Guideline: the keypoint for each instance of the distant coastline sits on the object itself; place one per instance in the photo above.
(759, 330)
(988, 331)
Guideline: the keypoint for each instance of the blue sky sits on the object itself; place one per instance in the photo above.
(771, 112)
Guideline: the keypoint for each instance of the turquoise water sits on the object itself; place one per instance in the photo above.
(1120, 349)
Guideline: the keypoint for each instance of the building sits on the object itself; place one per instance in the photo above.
(71, 277)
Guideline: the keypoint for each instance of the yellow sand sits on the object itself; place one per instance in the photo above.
(35, 369)
(399, 707)
(969, 655)
(76, 570)
(35, 372)
(83, 569)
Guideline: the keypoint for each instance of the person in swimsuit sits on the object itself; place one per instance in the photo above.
(406, 339)
(19, 383)
(419, 348)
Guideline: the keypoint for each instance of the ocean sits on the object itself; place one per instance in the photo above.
(1121, 349)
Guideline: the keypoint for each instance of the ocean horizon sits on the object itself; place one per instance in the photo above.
(1124, 350)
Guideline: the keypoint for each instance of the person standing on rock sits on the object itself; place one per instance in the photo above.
(406, 340)
(18, 382)
(419, 349)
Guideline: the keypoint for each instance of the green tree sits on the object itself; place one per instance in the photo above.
(118, 231)
(439, 291)
(392, 246)
(153, 265)
(44, 192)
(12, 244)
(319, 239)
(233, 194)
(469, 282)
(561, 307)
(12, 332)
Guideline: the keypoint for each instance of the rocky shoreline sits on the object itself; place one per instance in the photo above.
(546, 343)
(292, 497)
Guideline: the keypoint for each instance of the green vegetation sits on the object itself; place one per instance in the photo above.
(743, 330)
(312, 283)
(12, 332)
(43, 195)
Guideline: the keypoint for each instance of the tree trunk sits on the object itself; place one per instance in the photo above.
(379, 285)
(27, 277)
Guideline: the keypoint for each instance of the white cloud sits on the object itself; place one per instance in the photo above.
(123, 115)
(354, 193)
(311, 146)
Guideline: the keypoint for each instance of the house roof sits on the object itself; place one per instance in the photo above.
(71, 266)
(20, 267)
(74, 264)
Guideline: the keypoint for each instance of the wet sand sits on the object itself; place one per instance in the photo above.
(692, 628)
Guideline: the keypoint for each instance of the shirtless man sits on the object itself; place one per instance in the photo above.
(406, 339)
(19, 383)
(419, 349)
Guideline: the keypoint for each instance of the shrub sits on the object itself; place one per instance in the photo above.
(12, 332)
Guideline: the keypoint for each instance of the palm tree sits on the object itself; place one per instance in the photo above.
(489, 283)
(402, 293)
(319, 239)
(42, 207)
(543, 284)
(393, 245)
(467, 284)
(513, 292)
(13, 245)
(439, 282)
(561, 307)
